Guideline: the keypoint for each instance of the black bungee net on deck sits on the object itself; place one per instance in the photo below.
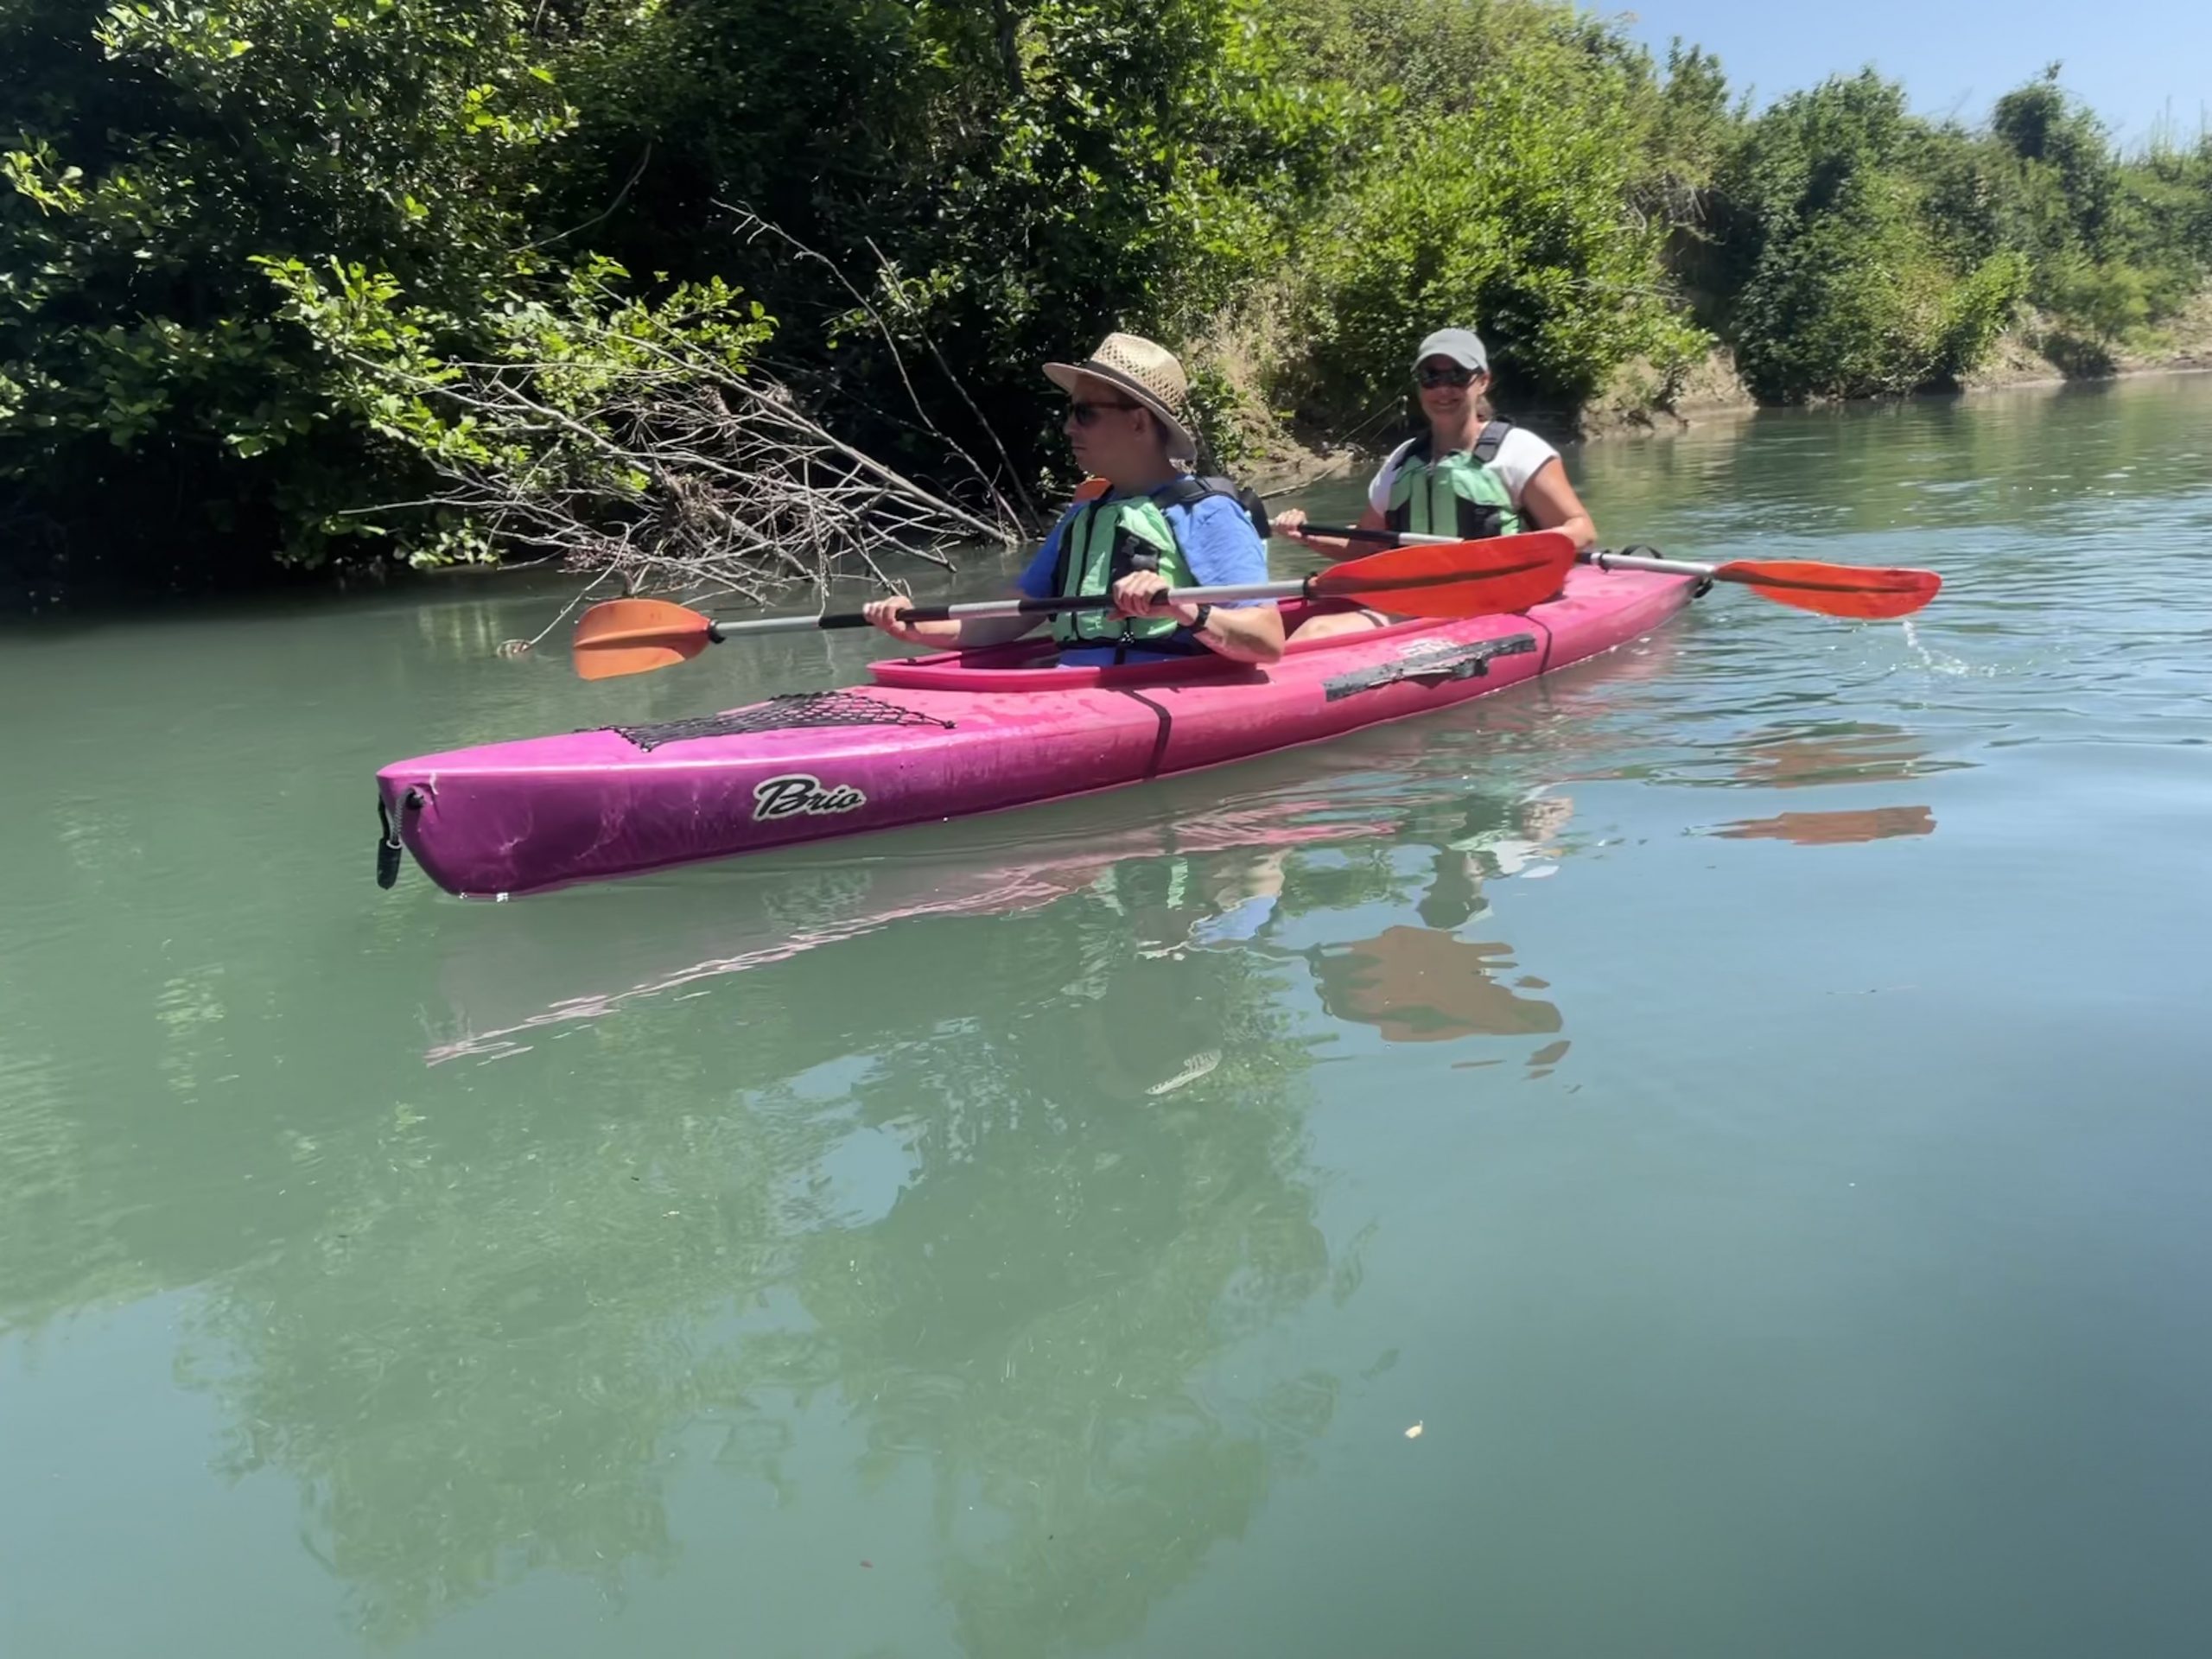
(793, 710)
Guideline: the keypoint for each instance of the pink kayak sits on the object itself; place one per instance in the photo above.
(950, 735)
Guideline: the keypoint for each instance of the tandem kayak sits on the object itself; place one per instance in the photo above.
(949, 735)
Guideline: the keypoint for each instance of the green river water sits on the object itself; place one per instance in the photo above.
(1746, 1101)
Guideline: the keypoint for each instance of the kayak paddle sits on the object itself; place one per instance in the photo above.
(1441, 578)
(1870, 593)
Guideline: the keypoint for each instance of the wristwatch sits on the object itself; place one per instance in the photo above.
(1199, 622)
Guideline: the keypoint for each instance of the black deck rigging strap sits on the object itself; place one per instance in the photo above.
(786, 713)
(1454, 663)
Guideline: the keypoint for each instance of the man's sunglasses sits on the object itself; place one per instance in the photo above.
(1086, 413)
(1453, 375)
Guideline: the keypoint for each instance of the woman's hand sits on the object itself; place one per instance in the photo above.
(1133, 597)
(889, 615)
(1291, 523)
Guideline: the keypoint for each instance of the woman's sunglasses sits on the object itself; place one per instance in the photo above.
(1451, 376)
(1086, 413)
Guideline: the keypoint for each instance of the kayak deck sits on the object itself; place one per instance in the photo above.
(951, 735)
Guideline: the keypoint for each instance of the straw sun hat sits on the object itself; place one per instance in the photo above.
(1148, 374)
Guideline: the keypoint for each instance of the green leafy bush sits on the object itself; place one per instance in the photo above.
(932, 197)
(152, 388)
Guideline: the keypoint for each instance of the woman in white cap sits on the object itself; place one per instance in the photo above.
(1152, 528)
(1468, 475)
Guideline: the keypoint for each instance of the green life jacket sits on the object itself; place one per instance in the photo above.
(1108, 539)
(1460, 495)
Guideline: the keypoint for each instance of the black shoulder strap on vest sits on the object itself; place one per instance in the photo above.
(1484, 449)
(1188, 492)
(1075, 528)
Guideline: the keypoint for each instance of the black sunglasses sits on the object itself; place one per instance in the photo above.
(1453, 375)
(1086, 413)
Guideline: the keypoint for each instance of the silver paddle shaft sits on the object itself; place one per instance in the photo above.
(1013, 608)
(1604, 561)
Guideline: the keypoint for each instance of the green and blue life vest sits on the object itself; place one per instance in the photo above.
(1460, 494)
(1108, 539)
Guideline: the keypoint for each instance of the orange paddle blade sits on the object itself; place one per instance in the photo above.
(1870, 591)
(1455, 579)
(632, 636)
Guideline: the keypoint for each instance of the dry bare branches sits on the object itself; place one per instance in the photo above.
(642, 444)
(673, 479)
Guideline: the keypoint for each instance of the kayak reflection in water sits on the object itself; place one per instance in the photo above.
(1524, 841)
(1146, 1017)
(1153, 526)
(1227, 906)
(1468, 474)
(1428, 984)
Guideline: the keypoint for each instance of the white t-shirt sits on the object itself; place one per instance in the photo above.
(1519, 458)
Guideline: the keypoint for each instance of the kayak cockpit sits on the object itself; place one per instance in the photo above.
(1028, 665)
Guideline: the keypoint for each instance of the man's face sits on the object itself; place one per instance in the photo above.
(1111, 435)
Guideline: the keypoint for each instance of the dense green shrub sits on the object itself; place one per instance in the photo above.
(150, 388)
(957, 191)
(1844, 285)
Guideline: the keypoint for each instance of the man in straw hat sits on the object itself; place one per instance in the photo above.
(1154, 527)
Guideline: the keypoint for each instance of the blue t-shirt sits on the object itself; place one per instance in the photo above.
(1218, 542)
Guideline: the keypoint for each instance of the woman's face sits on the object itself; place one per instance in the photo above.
(1445, 403)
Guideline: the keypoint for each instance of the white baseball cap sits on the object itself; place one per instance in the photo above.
(1460, 344)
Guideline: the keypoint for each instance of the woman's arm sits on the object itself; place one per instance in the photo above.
(1548, 502)
(1292, 524)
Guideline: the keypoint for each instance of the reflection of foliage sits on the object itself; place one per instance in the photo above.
(471, 1325)
(1037, 1307)
(470, 1366)
(56, 1252)
(473, 1363)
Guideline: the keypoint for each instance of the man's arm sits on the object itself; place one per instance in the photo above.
(970, 633)
(974, 632)
(1248, 633)
(1222, 549)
